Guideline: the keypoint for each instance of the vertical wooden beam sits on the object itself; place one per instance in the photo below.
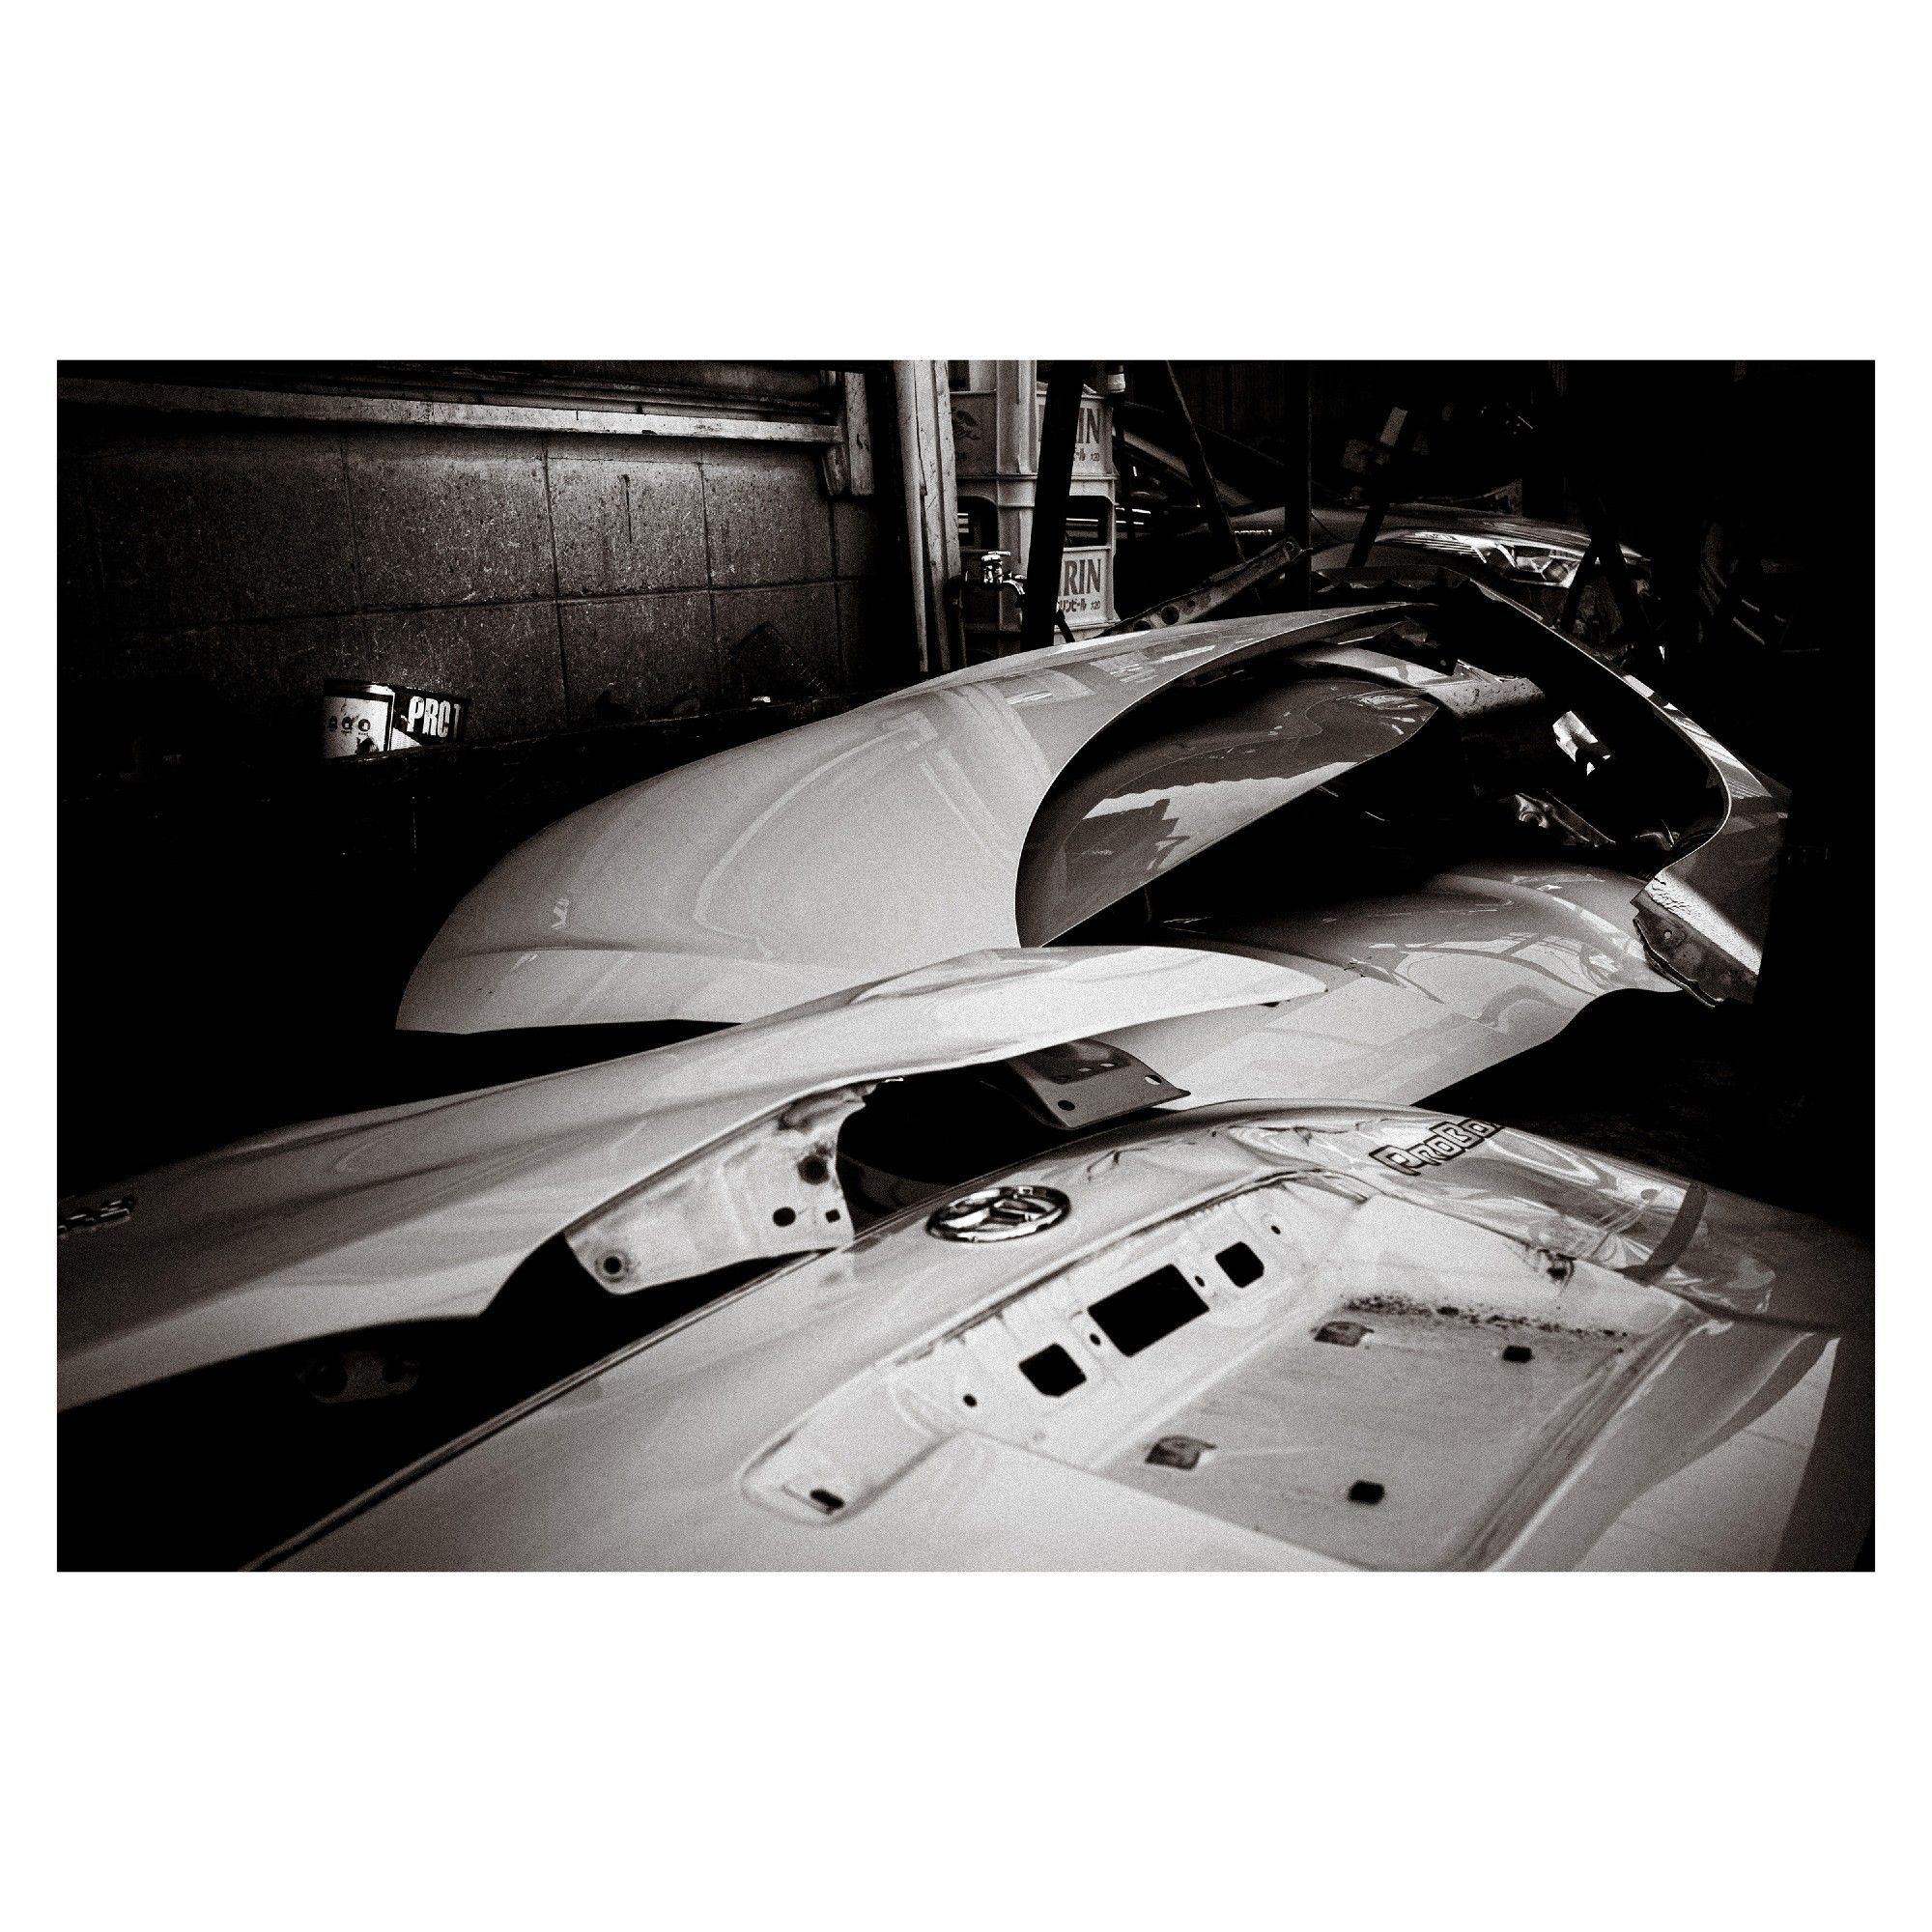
(932, 510)
(949, 567)
(847, 463)
(905, 394)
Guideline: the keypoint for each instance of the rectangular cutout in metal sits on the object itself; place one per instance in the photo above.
(1241, 1264)
(1053, 1371)
(1144, 1312)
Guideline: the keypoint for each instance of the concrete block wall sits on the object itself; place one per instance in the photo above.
(214, 571)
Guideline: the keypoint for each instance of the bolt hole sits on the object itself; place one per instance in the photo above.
(784, 1217)
(1064, 1106)
(326, 1379)
(971, 1400)
(613, 1264)
(813, 1170)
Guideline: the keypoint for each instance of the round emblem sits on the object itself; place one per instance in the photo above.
(998, 1214)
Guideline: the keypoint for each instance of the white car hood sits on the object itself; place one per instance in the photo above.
(423, 1210)
(1534, 1339)
(989, 807)
(845, 849)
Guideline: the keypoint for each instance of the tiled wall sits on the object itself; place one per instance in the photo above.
(555, 580)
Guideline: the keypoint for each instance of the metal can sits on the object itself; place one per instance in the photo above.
(355, 718)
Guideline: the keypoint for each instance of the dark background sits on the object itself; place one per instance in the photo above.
(237, 917)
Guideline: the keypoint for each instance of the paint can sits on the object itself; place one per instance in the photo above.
(355, 718)
(361, 718)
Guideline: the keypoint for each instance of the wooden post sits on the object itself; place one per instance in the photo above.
(932, 510)
(905, 393)
(847, 463)
(948, 567)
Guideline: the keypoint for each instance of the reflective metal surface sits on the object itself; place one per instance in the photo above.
(1132, 816)
(779, 872)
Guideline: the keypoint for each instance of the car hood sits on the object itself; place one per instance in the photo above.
(772, 873)
(972, 811)
(1260, 1337)
(423, 1210)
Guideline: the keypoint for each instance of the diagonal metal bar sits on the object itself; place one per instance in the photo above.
(1212, 592)
(1052, 484)
(1198, 474)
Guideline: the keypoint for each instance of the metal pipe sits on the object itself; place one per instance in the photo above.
(1393, 470)
(1199, 472)
(1297, 510)
(1052, 484)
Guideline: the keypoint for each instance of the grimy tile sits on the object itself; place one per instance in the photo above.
(640, 657)
(628, 516)
(248, 694)
(203, 528)
(767, 518)
(505, 659)
(855, 535)
(778, 643)
(450, 517)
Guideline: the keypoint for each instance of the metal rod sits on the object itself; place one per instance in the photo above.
(1572, 601)
(1200, 474)
(1579, 466)
(1393, 469)
(1212, 592)
(1298, 509)
(1052, 484)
